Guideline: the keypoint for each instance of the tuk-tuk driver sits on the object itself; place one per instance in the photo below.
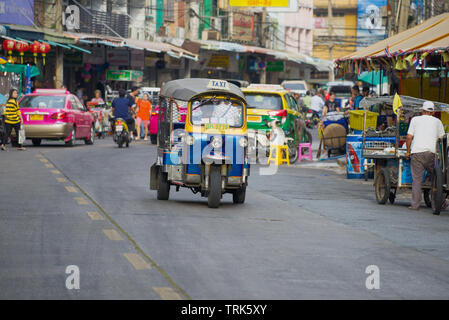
(422, 136)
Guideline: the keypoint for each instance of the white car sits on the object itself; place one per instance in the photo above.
(297, 86)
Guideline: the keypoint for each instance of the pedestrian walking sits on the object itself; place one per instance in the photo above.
(13, 119)
(356, 97)
(143, 115)
(132, 97)
(317, 103)
(422, 136)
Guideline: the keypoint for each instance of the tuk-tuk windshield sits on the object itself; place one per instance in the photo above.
(217, 111)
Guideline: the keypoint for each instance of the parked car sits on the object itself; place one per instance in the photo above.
(56, 114)
(296, 86)
(272, 102)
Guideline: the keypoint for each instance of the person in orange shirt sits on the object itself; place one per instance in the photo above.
(143, 115)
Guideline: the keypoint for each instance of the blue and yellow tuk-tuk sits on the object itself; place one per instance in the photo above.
(209, 155)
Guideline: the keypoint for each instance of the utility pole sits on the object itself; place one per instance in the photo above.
(187, 65)
(330, 32)
(403, 11)
(59, 67)
(263, 75)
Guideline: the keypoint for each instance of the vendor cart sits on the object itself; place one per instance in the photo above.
(386, 147)
(332, 133)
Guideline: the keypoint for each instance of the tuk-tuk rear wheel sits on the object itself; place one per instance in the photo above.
(427, 200)
(214, 196)
(238, 196)
(163, 188)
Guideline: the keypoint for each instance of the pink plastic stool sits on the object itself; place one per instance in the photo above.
(309, 155)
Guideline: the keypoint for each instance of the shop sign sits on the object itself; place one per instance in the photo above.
(97, 56)
(17, 12)
(124, 75)
(258, 3)
(243, 26)
(73, 58)
(151, 59)
(117, 57)
(137, 58)
(218, 61)
(275, 66)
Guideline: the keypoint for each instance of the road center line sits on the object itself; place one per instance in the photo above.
(81, 201)
(55, 171)
(137, 261)
(49, 165)
(61, 179)
(112, 234)
(167, 293)
(136, 246)
(94, 215)
(71, 189)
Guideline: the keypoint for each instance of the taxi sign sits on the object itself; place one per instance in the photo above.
(262, 86)
(218, 84)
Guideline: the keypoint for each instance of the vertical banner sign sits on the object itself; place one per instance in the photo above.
(243, 26)
(369, 22)
(19, 12)
(258, 3)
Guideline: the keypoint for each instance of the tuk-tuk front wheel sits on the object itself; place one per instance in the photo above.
(163, 188)
(382, 186)
(214, 196)
(436, 192)
(238, 196)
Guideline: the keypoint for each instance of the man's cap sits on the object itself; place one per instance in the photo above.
(428, 106)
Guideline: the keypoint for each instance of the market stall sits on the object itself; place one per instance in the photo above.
(385, 144)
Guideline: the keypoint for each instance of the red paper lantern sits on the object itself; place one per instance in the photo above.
(9, 45)
(22, 47)
(35, 48)
(44, 49)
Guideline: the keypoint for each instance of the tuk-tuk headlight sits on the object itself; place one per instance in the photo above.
(243, 142)
(190, 140)
(216, 142)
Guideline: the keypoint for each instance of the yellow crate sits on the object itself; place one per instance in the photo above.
(445, 117)
(356, 119)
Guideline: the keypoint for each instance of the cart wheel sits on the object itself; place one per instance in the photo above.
(382, 186)
(392, 196)
(239, 195)
(437, 190)
(427, 200)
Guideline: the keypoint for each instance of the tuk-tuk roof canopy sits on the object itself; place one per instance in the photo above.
(408, 103)
(185, 89)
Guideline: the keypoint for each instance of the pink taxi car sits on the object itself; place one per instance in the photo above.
(56, 114)
(179, 116)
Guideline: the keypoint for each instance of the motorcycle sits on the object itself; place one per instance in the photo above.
(121, 133)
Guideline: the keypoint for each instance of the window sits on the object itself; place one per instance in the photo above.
(169, 10)
(264, 101)
(292, 104)
(218, 111)
(74, 103)
(43, 102)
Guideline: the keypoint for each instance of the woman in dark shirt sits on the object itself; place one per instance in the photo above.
(330, 105)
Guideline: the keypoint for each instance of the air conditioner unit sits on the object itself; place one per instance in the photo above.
(210, 35)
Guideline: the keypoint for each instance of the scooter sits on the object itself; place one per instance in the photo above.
(121, 133)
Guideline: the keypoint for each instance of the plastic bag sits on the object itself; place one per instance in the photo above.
(22, 137)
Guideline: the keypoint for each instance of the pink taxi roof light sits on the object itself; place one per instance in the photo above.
(51, 91)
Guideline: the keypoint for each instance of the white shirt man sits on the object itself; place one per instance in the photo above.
(422, 137)
(316, 103)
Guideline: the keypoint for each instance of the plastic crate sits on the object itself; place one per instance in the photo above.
(356, 119)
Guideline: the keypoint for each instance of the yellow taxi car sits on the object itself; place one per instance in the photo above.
(272, 102)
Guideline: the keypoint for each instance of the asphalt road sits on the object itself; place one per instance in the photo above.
(304, 233)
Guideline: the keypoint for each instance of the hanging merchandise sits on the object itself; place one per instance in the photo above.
(21, 47)
(35, 48)
(9, 45)
(44, 49)
(445, 56)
